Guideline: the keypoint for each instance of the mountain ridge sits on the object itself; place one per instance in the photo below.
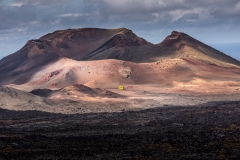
(88, 44)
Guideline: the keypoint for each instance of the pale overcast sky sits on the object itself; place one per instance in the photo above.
(214, 22)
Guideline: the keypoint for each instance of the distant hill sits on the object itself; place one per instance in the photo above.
(185, 46)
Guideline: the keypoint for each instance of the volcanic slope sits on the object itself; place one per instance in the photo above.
(77, 44)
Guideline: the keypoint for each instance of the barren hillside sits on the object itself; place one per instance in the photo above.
(106, 58)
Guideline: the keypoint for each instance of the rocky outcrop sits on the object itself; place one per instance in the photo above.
(125, 72)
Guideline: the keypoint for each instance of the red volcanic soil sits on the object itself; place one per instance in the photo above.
(175, 75)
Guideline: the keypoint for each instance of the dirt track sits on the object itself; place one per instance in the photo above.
(207, 131)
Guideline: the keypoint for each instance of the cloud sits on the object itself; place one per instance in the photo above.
(18, 29)
(72, 15)
(134, 5)
(55, 22)
(30, 23)
(42, 16)
(152, 14)
(19, 3)
(200, 12)
(162, 13)
(128, 12)
(161, 6)
(237, 8)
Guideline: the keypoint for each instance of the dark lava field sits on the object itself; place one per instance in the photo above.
(207, 131)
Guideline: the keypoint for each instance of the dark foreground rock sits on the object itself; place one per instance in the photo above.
(209, 131)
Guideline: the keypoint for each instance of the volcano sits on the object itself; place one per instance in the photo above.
(77, 44)
(106, 58)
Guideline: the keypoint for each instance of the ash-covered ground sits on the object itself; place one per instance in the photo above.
(204, 131)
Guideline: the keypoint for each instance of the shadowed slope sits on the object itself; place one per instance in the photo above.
(18, 67)
(75, 91)
(98, 44)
